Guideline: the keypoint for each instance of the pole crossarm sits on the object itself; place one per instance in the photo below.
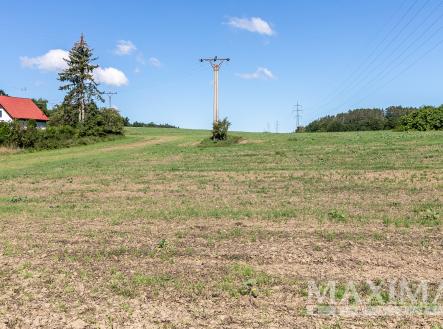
(215, 61)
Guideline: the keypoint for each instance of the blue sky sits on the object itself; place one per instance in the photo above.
(328, 55)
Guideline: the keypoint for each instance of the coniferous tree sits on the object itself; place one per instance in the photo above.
(82, 90)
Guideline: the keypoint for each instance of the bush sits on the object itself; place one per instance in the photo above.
(231, 140)
(16, 134)
(15, 137)
(113, 122)
(29, 135)
(103, 122)
(220, 130)
(56, 137)
(5, 130)
(427, 118)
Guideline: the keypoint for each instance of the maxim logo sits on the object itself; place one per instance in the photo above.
(374, 298)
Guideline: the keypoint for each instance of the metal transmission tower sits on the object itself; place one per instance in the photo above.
(298, 112)
(215, 63)
(110, 97)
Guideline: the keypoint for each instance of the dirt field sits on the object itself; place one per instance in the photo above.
(153, 231)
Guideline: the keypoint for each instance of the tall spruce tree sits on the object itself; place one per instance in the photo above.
(82, 90)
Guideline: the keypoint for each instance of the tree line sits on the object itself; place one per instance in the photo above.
(393, 117)
(151, 124)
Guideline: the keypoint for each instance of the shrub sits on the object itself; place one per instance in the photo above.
(220, 130)
(427, 118)
(15, 134)
(56, 137)
(101, 123)
(113, 122)
(5, 130)
(30, 134)
(230, 140)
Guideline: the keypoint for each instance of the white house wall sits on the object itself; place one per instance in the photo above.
(4, 115)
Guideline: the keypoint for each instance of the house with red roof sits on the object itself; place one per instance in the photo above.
(21, 109)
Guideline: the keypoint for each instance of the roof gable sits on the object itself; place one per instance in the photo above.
(22, 108)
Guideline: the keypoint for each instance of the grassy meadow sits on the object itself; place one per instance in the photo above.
(155, 229)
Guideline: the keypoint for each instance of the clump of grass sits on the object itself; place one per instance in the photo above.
(121, 285)
(328, 236)
(280, 153)
(231, 140)
(151, 280)
(337, 216)
(429, 217)
(9, 249)
(16, 199)
(116, 221)
(423, 216)
(163, 243)
(244, 280)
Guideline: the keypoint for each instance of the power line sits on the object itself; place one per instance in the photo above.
(403, 56)
(367, 80)
(343, 86)
(407, 68)
(364, 73)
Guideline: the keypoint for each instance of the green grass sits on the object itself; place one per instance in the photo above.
(291, 172)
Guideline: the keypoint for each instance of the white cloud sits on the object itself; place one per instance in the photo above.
(155, 62)
(125, 47)
(261, 73)
(110, 76)
(253, 24)
(53, 60)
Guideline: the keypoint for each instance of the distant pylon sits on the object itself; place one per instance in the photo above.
(298, 112)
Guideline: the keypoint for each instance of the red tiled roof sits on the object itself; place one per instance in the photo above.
(22, 108)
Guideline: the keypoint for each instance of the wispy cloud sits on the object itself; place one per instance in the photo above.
(155, 62)
(151, 61)
(125, 47)
(261, 73)
(252, 24)
(53, 60)
(110, 76)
